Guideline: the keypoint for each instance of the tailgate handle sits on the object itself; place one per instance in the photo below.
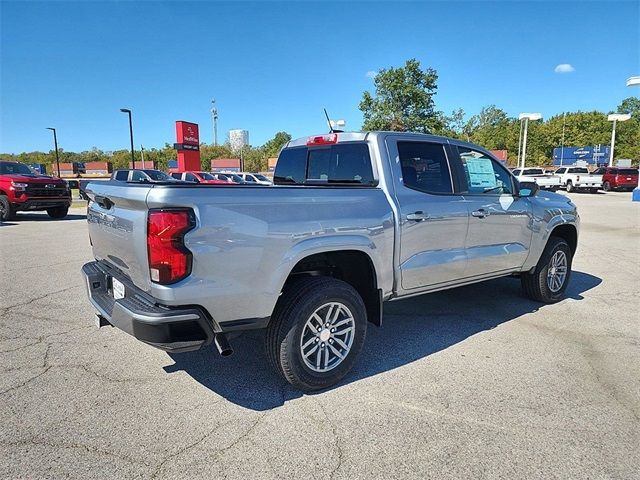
(104, 202)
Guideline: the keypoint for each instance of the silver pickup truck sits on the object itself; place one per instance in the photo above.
(353, 220)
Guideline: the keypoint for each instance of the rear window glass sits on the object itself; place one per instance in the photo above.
(627, 171)
(578, 170)
(534, 171)
(348, 163)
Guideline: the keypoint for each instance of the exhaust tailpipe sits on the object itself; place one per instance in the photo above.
(222, 344)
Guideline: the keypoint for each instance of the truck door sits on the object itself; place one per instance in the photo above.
(500, 222)
(433, 219)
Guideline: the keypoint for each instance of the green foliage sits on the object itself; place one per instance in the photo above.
(403, 100)
(273, 146)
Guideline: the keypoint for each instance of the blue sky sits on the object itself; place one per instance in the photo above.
(273, 66)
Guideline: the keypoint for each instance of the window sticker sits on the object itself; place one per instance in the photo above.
(481, 174)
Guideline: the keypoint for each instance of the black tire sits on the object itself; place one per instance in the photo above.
(593, 190)
(6, 210)
(58, 212)
(570, 186)
(535, 284)
(297, 304)
(606, 186)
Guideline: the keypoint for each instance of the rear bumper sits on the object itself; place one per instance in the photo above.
(41, 203)
(171, 329)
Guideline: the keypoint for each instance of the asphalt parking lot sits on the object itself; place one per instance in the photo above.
(476, 382)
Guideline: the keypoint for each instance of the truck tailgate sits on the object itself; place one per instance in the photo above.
(117, 217)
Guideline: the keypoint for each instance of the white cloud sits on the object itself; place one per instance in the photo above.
(564, 68)
(371, 74)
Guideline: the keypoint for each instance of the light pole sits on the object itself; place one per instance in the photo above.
(133, 158)
(634, 82)
(214, 118)
(615, 118)
(526, 117)
(564, 116)
(142, 154)
(55, 143)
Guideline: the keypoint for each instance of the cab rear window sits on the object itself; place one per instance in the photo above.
(347, 164)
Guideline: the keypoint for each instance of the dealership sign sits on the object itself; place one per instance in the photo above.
(187, 136)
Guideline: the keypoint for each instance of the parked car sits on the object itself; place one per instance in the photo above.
(579, 178)
(618, 178)
(255, 178)
(22, 189)
(354, 220)
(199, 177)
(538, 175)
(140, 175)
(228, 177)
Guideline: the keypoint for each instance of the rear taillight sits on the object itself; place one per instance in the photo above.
(328, 139)
(169, 259)
(577, 178)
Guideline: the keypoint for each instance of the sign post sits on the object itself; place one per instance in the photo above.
(188, 146)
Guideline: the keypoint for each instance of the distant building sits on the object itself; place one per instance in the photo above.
(238, 139)
(500, 154)
(225, 165)
(271, 163)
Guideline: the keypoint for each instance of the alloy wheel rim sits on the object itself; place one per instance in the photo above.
(557, 271)
(327, 337)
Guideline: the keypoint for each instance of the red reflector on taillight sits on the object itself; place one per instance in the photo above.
(169, 259)
(328, 139)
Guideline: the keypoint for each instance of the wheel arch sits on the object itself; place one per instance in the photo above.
(351, 265)
(567, 232)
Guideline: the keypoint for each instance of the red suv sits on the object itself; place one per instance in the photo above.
(21, 188)
(617, 178)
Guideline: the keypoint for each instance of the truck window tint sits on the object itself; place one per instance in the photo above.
(424, 167)
(484, 175)
(627, 171)
(122, 175)
(291, 166)
(342, 163)
(190, 177)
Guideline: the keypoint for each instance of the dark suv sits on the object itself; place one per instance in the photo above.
(617, 178)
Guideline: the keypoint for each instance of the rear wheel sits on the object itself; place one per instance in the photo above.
(58, 212)
(593, 190)
(6, 210)
(570, 186)
(606, 186)
(316, 332)
(550, 278)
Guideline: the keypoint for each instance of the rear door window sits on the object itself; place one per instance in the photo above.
(425, 167)
(122, 175)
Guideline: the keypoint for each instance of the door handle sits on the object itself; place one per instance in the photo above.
(418, 216)
(480, 213)
(104, 202)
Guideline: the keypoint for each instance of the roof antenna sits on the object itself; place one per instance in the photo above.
(331, 129)
(328, 121)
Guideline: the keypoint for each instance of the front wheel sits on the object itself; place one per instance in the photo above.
(570, 187)
(550, 277)
(6, 210)
(58, 212)
(316, 332)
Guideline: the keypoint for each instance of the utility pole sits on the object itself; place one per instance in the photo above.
(142, 154)
(214, 118)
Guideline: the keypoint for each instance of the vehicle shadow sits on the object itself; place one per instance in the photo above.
(42, 217)
(412, 329)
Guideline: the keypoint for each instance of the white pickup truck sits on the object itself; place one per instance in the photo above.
(544, 180)
(579, 178)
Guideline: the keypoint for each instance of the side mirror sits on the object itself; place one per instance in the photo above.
(527, 189)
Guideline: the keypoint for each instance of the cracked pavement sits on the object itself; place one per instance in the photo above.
(476, 382)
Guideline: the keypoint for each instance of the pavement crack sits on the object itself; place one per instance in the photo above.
(4, 310)
(87, 448)
(336, 438)
(15, 387)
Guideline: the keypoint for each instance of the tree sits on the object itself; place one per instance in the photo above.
(273, 146)
(630, 105)
(403, 100)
